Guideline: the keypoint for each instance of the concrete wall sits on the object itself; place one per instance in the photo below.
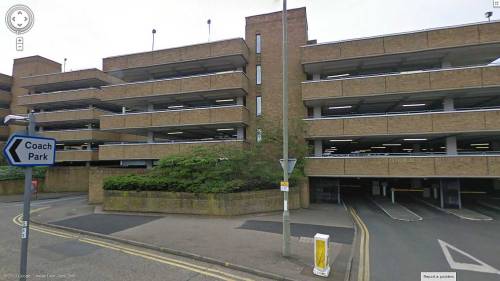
(96, 179)
(11, 187)
(416, 83)
(201, 204)
(418, 123)
(438, 166)
(176, 86)
(393, 44)
(67, 179)
(187, 53)
(216, 115)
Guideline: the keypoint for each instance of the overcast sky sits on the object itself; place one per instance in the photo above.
(85, 31)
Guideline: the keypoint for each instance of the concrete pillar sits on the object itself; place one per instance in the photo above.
(87, 164)
(42, 110)
(89, 126)
(496, 185)
(240, 133)
(451, 145)
(317, 112)
(318, 148)
(316, 76)
(448, 104)
(124, 109)
(89, 146)
(151, 107)
(149, 164)
(495, 146)
(416, 183)
(239, 100)
(384, 188)
(450, 193)
(445, 64)
(239, 69)
(91, 106)
(151, 137)
(40, 129)
(416, 147)
(435, 191)
(375, 188)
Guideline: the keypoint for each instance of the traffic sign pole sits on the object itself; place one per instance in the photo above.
(286, 215)
(26, 206)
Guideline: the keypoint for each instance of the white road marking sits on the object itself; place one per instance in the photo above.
(480, 267)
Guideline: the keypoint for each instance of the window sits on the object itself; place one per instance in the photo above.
(258, 106)
(259, 135)
(259, 74)
(257, 43)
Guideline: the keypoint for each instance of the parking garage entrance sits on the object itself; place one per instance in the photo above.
(442, 192)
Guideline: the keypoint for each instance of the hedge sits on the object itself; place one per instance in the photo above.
(16, 173)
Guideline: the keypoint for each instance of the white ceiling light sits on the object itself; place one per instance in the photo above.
(226, 100)
(340, 140)
(413, 104)
(174, 133)
(176, 106)
(414, 139)
(391, 144)
(378, 147)
(479, 144)
(340, 107)
(225, 129)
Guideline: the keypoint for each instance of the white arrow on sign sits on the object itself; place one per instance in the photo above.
(30, 151)
(479, 266)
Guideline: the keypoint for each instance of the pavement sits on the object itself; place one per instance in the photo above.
(61, 255)
(251, 241)
(395, 211)
(40, 196)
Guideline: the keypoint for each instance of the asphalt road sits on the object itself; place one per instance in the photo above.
(400, 251)
(57, 256)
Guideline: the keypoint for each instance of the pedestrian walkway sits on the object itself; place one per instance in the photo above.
(39, 196)
(252, 241)
(395, 211)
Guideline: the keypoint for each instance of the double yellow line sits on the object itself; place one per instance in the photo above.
(364, 248)
(222, 275)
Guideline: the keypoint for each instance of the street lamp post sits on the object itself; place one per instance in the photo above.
(286, 213)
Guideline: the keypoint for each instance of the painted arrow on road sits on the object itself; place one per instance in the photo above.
(479, 266)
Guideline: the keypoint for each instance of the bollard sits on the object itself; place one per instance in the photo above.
(321, 262)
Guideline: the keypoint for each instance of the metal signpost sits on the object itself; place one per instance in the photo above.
(27, 151)
(286, 215)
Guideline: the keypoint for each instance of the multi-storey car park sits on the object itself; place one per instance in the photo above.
(417, 110)
(5, 98)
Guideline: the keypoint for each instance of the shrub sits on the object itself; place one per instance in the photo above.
(218, 170)
(17, 173)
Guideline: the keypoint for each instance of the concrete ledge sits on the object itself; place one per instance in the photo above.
(219, 204)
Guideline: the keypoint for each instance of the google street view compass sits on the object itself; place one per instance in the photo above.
(19, 19)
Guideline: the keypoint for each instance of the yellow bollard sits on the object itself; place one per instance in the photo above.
(321, 262)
